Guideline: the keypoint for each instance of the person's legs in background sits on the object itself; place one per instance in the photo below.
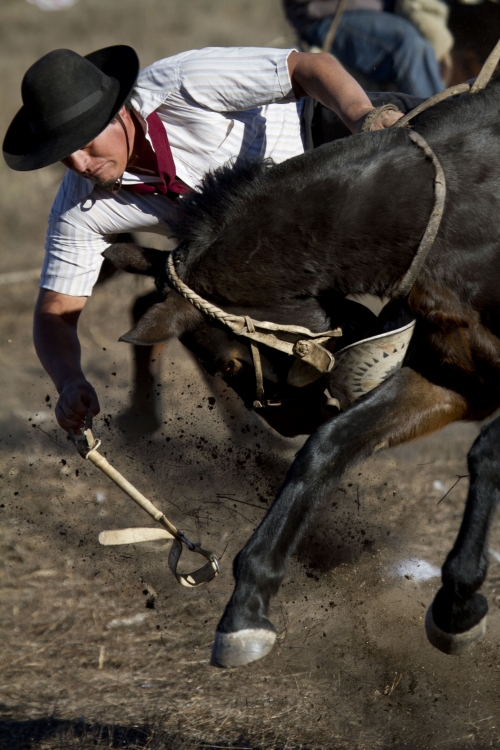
(384, 47)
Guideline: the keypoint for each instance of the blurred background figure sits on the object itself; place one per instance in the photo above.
(399, 45)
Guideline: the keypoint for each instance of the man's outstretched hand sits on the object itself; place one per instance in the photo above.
(75, 400)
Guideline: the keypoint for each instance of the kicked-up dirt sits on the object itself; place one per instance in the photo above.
(101, 647)
(106, 633)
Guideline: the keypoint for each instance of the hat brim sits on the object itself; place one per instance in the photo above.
(24, 150)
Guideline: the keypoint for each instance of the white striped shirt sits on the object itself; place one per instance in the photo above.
(217, 104)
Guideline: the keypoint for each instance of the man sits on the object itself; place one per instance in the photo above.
(133, 146)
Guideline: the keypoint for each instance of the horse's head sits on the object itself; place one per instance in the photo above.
(295, 391)
(221, 354)
(269, 244)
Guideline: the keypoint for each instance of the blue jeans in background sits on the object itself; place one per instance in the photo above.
(385, 48)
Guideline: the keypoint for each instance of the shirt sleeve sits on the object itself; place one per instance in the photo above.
(85, 220)
(73, 250)
(225, 79)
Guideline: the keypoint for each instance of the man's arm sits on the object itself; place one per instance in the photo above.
(322, 77)
(58, 348)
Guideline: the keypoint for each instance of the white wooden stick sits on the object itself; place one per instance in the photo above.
(131, 491)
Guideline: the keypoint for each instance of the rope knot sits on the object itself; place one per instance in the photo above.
(302, 348)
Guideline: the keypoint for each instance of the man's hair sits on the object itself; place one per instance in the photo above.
(128, 106)
(128, 103)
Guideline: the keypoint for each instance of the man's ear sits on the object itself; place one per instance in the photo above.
(134, 259)
(162, 321)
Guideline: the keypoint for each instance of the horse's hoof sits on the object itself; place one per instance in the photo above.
(453, 643)
(242, 647)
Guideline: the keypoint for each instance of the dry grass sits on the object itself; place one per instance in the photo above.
(80, 641)
(57, 734)
(352, 670)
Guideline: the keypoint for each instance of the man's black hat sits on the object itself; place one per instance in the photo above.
(68, 100)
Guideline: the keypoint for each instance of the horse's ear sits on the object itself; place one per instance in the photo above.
(135, 259)
(162, 321)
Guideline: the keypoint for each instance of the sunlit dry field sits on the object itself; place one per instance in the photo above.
(101, 647)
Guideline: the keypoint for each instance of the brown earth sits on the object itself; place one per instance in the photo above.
(100, 645)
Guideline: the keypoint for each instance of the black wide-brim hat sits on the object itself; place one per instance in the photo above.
(68, 100)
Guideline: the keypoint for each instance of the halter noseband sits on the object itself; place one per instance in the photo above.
(296, 341)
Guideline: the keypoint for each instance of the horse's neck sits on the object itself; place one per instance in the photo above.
(345, 219)
(379, 220)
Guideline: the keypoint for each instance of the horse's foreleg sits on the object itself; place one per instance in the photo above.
(142, 416)
(457, 618)
(404, 407)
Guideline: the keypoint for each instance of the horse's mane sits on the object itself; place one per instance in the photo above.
(206, 212)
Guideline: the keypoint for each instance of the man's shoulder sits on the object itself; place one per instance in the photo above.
(164, 73)
(211, 76)
(184, 77)
(157, 82)
(167, 70)
(162, 69)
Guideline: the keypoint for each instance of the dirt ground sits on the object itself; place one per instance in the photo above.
(101, 647)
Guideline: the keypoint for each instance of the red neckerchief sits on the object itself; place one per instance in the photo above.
(170, 185)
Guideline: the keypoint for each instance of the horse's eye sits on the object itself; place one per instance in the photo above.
(227, 368)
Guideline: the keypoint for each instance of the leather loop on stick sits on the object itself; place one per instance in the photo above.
(202, 575)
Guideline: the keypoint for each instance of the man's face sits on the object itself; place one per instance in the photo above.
(104, 159)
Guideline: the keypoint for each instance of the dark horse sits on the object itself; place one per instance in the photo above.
(287, 244)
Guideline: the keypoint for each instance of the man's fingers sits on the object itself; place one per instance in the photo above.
(67, 423)
(64, 410)
(73, 413)
(73, 405)
(70, 414)
(93, 404)
(80, 401)
(391, 118)
(386, 119)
